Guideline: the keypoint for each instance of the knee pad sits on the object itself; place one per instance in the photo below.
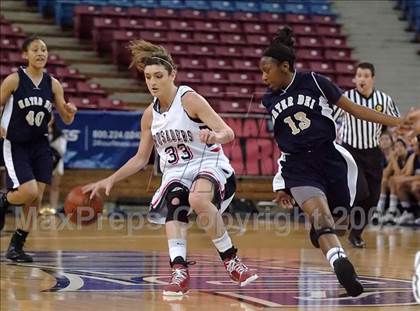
(177, 203)
(314, 235)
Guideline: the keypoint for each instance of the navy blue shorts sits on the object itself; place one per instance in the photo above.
(329, 168)
(27, 161)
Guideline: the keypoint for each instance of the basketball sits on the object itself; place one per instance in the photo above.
(80, 209)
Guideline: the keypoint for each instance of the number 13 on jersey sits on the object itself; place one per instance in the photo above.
(298, 123)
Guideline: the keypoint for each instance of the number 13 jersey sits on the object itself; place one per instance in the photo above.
(176, 137)
(28, 111)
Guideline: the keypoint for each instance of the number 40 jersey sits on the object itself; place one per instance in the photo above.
(28, 111)
(176, 137)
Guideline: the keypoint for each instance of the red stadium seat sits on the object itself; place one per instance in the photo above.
(83, 103)
(181, 25)
(309, 42)
(218, 64)
(192, 63)
(7, 44)
(335, 43)
(227, 51)
(214, 78)
(210, 92)
(240, 91)
(206, 26)
(242, 65)
(177, 49)
(271, 17)
(202, 50)
(246, 16)
(155, 24)
(234, 27)
(232, 39)
(10, 31)
(83, 19)
(130, 24)
(304, 30)
(155, 36)
(188, 77)
(166, 13)
(206, 38)
(298, 19)
(192, 15)
(344, 67)
(254, 28)
(273, 28)
(309, 54)
(101, 32)
(69, 74)
(321, 67)
(90, 90)
(233, 106)
(258, 40)
(241, 78)
(219, 15)
(252, 52)
(324, 20)
(111, 104)
(180, 37)
(341, 54)
(345, 82)
(329, 31)
(5, 70)
(138, 13)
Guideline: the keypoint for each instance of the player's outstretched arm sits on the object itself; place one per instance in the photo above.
(367, 114)
(198, 107)
(65, 110)
(132, 166)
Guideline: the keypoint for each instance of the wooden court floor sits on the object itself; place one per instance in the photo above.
(121, 266)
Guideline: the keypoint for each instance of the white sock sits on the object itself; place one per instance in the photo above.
(405, 205)
(393, 201)
(381, 203)
(223, 243)
(177, 247)
(334, 253)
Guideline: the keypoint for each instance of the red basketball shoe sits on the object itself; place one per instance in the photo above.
(239, 272)
(179, 283)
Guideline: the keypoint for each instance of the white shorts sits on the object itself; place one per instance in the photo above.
(221, 174)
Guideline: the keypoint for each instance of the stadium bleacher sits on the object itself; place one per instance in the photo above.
(75, 84)
(411, 12)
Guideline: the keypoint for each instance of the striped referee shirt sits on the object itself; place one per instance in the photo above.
(361, 134)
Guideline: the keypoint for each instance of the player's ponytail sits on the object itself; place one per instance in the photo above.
(281, 47)
(145, 53)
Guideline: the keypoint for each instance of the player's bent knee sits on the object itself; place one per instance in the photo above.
(198, 201)
(29, 191)
(177, 203)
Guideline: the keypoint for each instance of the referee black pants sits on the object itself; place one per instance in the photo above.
(370, 163)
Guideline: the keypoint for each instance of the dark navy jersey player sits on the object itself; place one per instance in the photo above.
(27, 99)
(313, 171)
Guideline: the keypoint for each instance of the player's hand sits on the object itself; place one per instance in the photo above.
(2, 132)
(283, 199)
(207, 136)
(70, 108)
(94, 188)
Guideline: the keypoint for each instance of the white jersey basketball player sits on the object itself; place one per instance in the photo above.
(183, 157)
(187, 134)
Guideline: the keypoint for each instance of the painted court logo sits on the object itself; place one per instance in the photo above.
(278, 286)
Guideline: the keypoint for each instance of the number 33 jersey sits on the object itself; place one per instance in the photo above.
(28, 111)
(176, 137)
(302, 112)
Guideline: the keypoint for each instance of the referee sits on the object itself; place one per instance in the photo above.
(361, 139)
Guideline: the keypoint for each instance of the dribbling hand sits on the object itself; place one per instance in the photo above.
(94, 188)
